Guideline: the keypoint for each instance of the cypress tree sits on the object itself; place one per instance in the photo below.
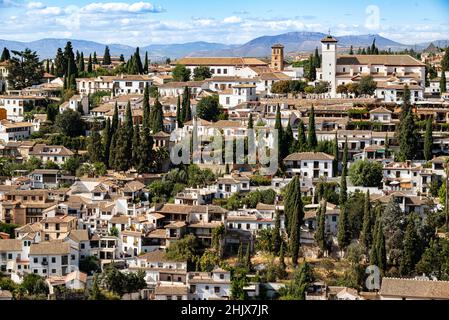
(320, 233)
(136, 145)
(123, 148)
(81, 65)
(410, 256)
(157, 117)
(248, 264)
(146, 65)
(443, 82)
(312, 142)
(47, 66)
(280, 131)
(344, 229)
(374, 254)
(408, 135)
(288, 141)
(282, 266)
(344, 174)
(240, 255)
(146, 107)
(276, 237)
(106, 57)
(428, 140)
(381, 249)
(95, 147)
(316, 59)
(293, 208)
(366, 236)
(122, 58)
(145, 151)
(5, 55)
(312, 69)
(95, 60)
(336, 156)
(250, 121)
(302, 142)
(112, 149)
(52, 69)
(186, 110)
(351, 51)
(114, 123)
(77, 58)
(138, 61)
(179, 113)
(107, 137)
(89, 64)
(69, 61)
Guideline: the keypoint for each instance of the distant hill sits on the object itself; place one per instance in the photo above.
(259, 47)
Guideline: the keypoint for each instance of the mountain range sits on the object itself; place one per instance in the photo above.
(259, 47)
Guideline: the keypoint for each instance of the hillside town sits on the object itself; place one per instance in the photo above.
(225, 178)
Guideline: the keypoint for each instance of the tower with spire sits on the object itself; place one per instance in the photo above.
(329, 62)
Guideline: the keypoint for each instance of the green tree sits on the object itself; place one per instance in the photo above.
(95, 148)
(320, 233)
(145, 151)
(186, 109)
(312, 141)
(95, 292)
(351, 50)
(367, 229)
(297, 288)
(146, 63)
(179, 113)
(106, 57)
(70, 123)
(106, 140)
(89, 65)
(428, 140)
(393, 228)
(293, 209)
(366, 173)
(201, 73)
(411, 254)
(25, 69)
(336, 154)
(302, 141)
(344, 229)
(408, 134)
(5, 55)
(180, 73)
(123, 143)
(209, 109)
(250, 121)
(367, 86)
(81, 66)
(276, 236)
(443, 82)
(136, 143)
(157, 124)
(344, 174)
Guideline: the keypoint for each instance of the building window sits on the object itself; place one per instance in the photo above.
(53, 260)
(217, 289)
(221, 276)
(328, 46)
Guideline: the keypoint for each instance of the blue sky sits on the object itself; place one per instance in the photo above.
(141, 22)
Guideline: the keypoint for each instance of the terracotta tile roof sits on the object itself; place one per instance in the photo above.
(119, 219)
(79, 235)
(171, 290)
(220, 61)
(387, 60)
(316, 156)
(413, 288)
(133, 186)
(10, 245)
(50, 248)
(155, 256)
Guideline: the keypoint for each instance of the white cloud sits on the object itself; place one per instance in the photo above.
(233, 19)
(35, 5)
(117, 7)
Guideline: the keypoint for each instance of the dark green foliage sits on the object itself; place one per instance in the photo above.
(276, 236)
(157, 117)
(344, 174)
(428, 140)
(344, 229)
(209, 109)
(366, 236)
(293, 209)
(201, 73)
(407, 134)
(25, 69)
(411, 253)
(5, 55)
(366, 173)
(123, 144)
(106, 57)
(181, 73)
(297, 288)
(95, 147)
(311, 132)
(70, 123)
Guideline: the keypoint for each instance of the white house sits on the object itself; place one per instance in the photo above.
(230, 184)
(309, 165)
(87, 86)
(16, 105)
(14, 131)
(57, 154)
(14, 255)
(215, 285)
(238, 94)
(76, 103)
(55, 258)
(131, 84)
